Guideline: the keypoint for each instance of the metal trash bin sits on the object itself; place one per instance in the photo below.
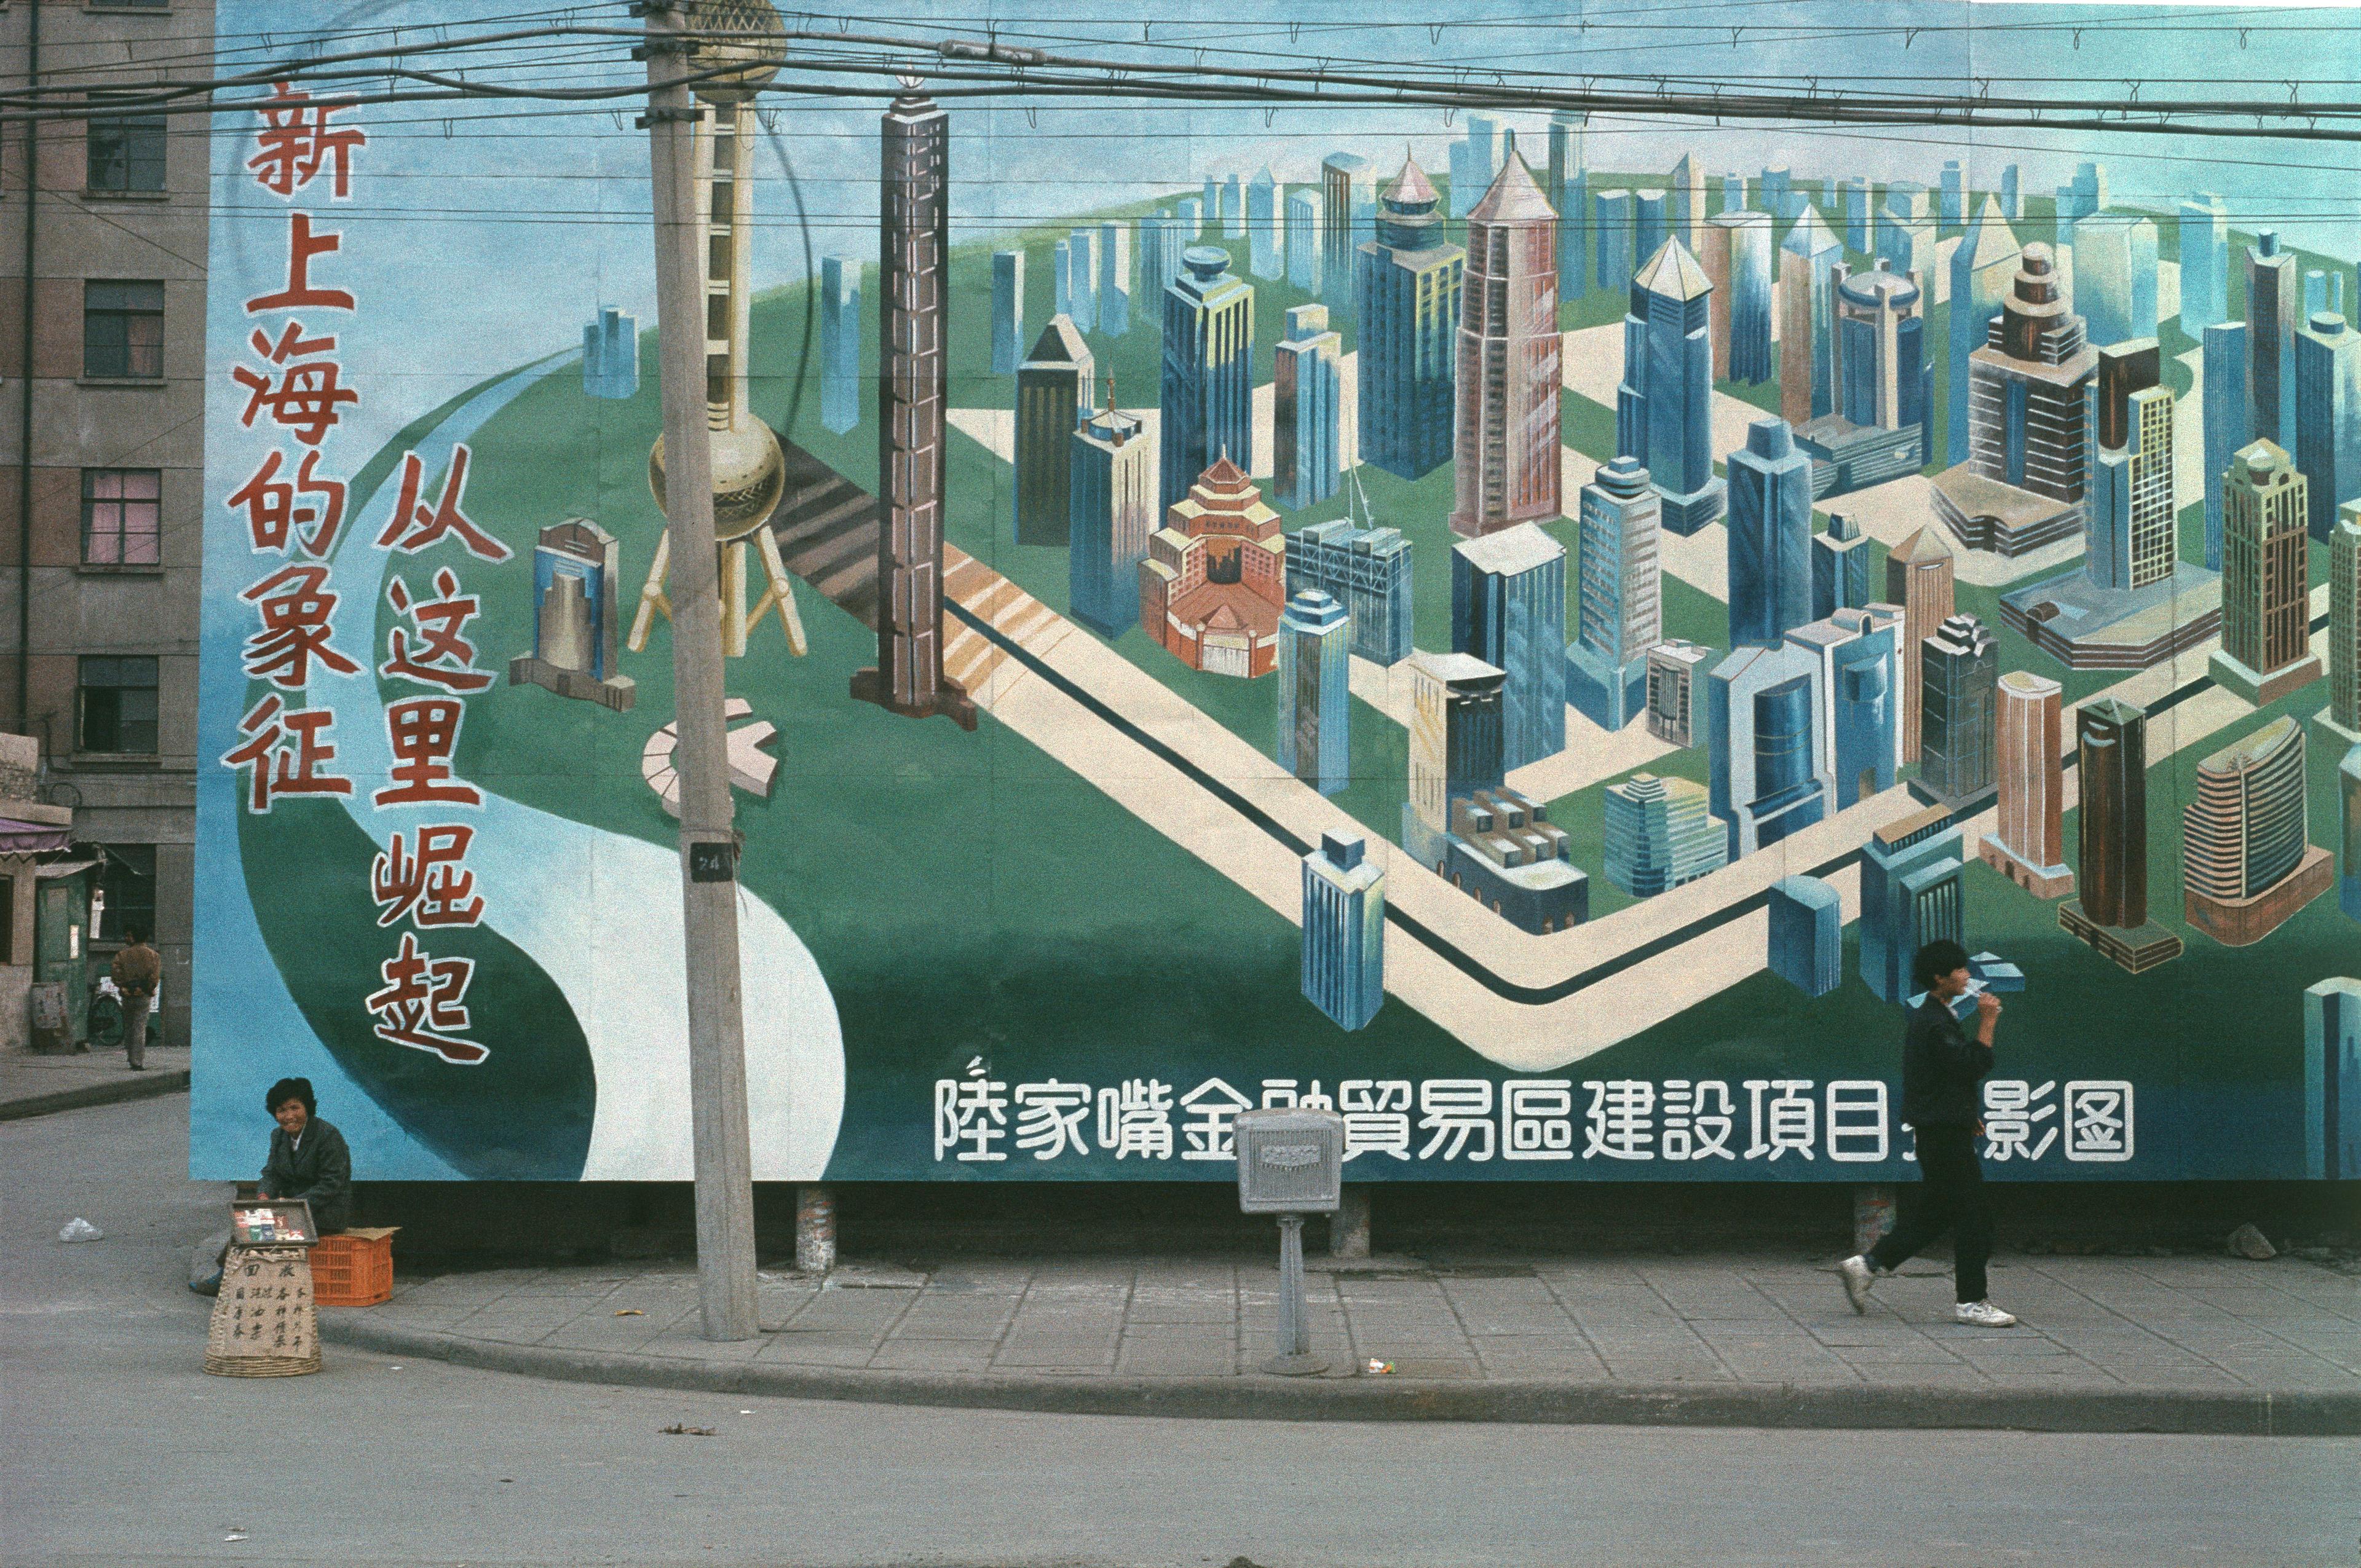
(1291, 1164)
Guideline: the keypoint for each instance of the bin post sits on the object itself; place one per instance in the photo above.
(815, 1230)
(1294, 1357)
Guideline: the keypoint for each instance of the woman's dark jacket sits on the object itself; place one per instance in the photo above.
(321, 1170)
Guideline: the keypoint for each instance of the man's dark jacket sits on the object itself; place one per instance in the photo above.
(320, 1171)
(1941, 1067)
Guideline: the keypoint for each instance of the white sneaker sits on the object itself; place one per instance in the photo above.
(1854, 1271)
(1983, 1314)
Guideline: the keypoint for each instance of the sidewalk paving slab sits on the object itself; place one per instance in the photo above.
(2108, 1344)
(35, 1085)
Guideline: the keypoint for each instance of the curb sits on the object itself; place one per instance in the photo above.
(2208, 1413)
(131, 1086)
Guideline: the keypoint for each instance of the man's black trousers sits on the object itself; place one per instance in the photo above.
(1950, 1198)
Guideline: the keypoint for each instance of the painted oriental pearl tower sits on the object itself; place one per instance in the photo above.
(749, 467)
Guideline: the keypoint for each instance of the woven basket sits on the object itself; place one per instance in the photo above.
(265, 1323)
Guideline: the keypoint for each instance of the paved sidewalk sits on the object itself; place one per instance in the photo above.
(33, 1085)
(2181, 1344)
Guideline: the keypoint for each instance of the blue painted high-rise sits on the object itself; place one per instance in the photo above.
(1660, 835)
(1307, 409)
(1207, 400)
(1473, 164)
(1315, 694)
(1855, 191)
(2228, 414)
(1664, 407)
(1507, 608)
(2332, 1080)
(840, 343)
(1906, 245)
(1234, 209)
(1191, 212)
(2315, 293)
(1770, 775)
(1406, 303)
(611, 356)
(1114, 279)
(1648, 223)
(1112, 498)
(1619, 604)
(1913, 892)
(1266, 257)
(1007, 311)
(2204, 263)
(1951, 208)
(1302, 238)
(1614, 236)
(2348, 795)
(1159, 252)
(1750, 299)
(2010, 203)
(2114, 277)
(2085, 194)
(1839, 567)
(1349, 220)
(1983, 272)
(2328, 417)
(1062, 280)
(1733, 192)
(1082, 279)
(1808, 258)
(1769, 529)
(1778, 191)
(1806, 943)
(2273, 296)
(1365, 569)
(1859, 653)
(1343, 929)
(1212, 211)
(1568, 189)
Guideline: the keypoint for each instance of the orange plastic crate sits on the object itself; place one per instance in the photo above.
(355, 1269)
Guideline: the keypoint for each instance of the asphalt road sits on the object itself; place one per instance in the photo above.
(115, 1449)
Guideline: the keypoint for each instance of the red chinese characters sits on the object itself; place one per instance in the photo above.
(288, 751)
(271, 514)
(423, 1004)
(296, 142)
(301, 293)
(297, 612)
(443, 657)
(414, 525)
(423, 732)
(306, 396)
(432, 885)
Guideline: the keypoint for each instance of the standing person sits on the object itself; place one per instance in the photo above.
(137, 971)
(1942, 1067)
(308, 1159)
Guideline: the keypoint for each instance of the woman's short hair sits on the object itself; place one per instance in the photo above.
(1935, 960)
(287, 1089)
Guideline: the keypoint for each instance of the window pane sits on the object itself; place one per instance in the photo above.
(104, 350)
(121, 518)
(145, 345)
(110, 156)
(129, 885)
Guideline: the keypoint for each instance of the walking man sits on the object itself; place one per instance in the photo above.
(1942, 1067)
(137, 971)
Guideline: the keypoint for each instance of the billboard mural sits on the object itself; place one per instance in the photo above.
(1510, 626)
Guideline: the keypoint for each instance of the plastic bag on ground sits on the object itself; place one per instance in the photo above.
(80, 1229)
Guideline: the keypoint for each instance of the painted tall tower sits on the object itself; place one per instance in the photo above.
(2111, 737)
(1664, 407)
(1918, 577)
(1406, 303)
(2030, 847)
(1620, 603)
(1507, 443)
(1306, 410)
(2265, 649)
(1809, 259)
(2274, 312)
(1984, 269)
(1770, 536)
(1314, 691)
(914, 250)
(1207, 406)
(2343, 714)
(1568, 189)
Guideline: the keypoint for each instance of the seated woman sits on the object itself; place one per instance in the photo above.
(308, 1157)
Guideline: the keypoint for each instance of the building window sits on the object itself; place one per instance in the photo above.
(117, 711)
(123, 330)
(126, 153)
(128, 884)
(120, 525)
(8, 920)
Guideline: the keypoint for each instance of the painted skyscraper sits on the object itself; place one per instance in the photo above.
(1315, 697)
(1673, 669)
(1735, 251)
(611, 356)
(840, 343)
(2265, 649)
(1619, 607)
(2328, 417)
(1568, 189)
(913, 248)
(1053, 392)
(1472, 164)
(1349, 220)
(1264, 258)
(1366, 569)
(1207, 406)
(1806, 940)
(2110, 739)
(1983, 272)
(2349, 798)
(1307, 410)
(1912, 891)
(1918, 577)
(1951, 207)
(1770, 536)
(1766, 710)
(1507, 442)
(2247, 863)
(1343, 929)
(1114, 277)
(1649, 229)
(1301, 237)
(575, 566)
(1406, 304)
(2114, 277)
(1112, 506)
(2343, 714)
(2274, 312)
(1809, 259)
(1661, 835)
(1455, 745)
(1686, 200)
(1858, 655)
(1008, 311)
(1507, 608)
(1959, 680)
(1664, 407)
(1081, 300)
(1839, 567)
(2332, 1080)
(2030, 847)
(2204, 263)
(2229, 417)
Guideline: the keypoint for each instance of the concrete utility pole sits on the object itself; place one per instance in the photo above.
(709, 848)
